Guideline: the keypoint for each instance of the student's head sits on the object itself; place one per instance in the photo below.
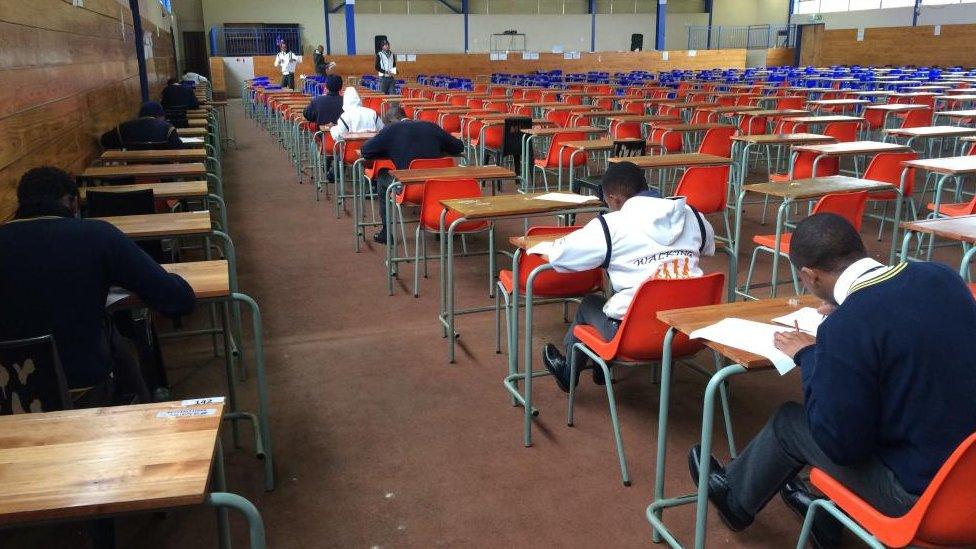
(394, 114)
(46, 191)
(333, 83)
(282, 46)
(822, 246)
(385, 45)
(320, 48)
(170, 81)
(621, 181)
(152, 108)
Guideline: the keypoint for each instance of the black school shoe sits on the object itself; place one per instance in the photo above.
(555, 363)
(380, 238)
(827, 531)
(718, 491)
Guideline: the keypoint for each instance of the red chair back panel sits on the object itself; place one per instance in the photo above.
(552, 283)
(436, 190)
(705, 188)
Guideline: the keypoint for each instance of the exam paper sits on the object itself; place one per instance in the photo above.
(542, 248)
(115, 294)
(755, 337)
(569, 198)
(191, 139)
(807, 318)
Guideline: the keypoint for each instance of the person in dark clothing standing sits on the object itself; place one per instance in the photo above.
(326, 109)
(177, 96)
(403, 142)
(322, 66)
(386, 69)
(888, 385)
(149, 131)
(55, 276)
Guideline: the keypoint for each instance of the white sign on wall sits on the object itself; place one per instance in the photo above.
(147, 44)
(860, 34)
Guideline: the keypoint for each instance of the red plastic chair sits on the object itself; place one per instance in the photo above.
(552, 161)
(497, 106)
(717, 141)
(546, 285)
(843, 132)
(944, 515)
(458, 100)
(793, 102)
(803, 168)
(625, 130)
(918, 118)
(559, 117)
(640, 337)
(887, 167)
(667, 141)
(706, 188)
(850, 206)
(436, 190)
(752, 125)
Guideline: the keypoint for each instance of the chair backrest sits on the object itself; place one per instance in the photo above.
(918, 118)
(641, 335)
(497, 106)
(436, 190)
(428, 115)
(31, 378)
(803, 165)
(850, 206)
(414, 194)
(705, 188)
(843, 132)
(887, 167)
(552, 155)
(717, 141)
(624, 148)
(636, 107)
(350, 151)
(790, 103)
(623, 130)
(559, 117)
(752, 125)
(552, 283)
(947, 508)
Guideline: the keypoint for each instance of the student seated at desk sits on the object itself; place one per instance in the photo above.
(644, 236)
(149, 131)
(54, 278)
(888, 385)
(326, 109)
(355, 117)
(404, 141)
(178, 96)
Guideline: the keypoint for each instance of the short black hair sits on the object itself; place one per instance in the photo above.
(170, 81)
(333, 83)
(826, 242)
(40, 192)
(623, 179)
(394, 113)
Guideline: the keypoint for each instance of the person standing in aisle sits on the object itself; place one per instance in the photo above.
(287, 61)
(386, 67)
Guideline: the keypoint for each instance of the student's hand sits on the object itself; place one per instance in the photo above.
(791, 342)
(826, 308)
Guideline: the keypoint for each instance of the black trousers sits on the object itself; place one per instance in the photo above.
(288, 81)
(590, 311)
(387, 85)
(784, 447)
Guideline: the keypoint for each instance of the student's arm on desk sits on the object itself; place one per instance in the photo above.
(309, 113)
(173, 140)
(450, 144)
(840, 391)
(580, 250)
(377, 146)
(132, 268)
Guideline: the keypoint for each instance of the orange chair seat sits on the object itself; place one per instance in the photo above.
(591, 338)
(953, 210)
(579, 160)
(779, 177)
(972, 288)
(769, 241)
(377, 167)
(550, 284)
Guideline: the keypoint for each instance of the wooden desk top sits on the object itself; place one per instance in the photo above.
(156, 155)
(914, 94)
(564, 107)
(686, 104)
(357, 136)
(208, 279)
(643, 118)
(596, 144)
(784, 138)
(896, 107)
(553, 131)
(487, 207)
(957, 97)
(962, 228)
(952, 165)
(191, 132)
(492, 115)
(875, 93)
(675, 160)
(162, 225)
(103, 461)
(608, 113)
(824, 119)
(763, 310)
(730, 108)
(827, 102)
(184, 169)
(933, 131)
(854, 147)
(526, 241)
(196, 122)
(689, 127)
(777, 112)
(538, 104)
(965, 113)
(166, 191)
(800, 189)
(480, 173)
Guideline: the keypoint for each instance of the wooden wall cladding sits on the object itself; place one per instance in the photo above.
(217, 80)
(891, 46)
(779, 57)
(69, 73)
(469, 65)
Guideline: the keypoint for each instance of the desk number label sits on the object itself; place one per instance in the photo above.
(172, 414)
(201, 401)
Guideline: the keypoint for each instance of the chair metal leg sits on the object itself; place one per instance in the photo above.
(726, 410)
(618, 440)
(416, 262)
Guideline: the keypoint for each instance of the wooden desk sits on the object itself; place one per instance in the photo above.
(774, 112)
(953, 165)
(896, 107)
(825, 119)
(783, 138)
(191, 132)
(553, 131)
(155, 155)
(186, 169)
(641, 118)
(162, 225)
(933, 131)
(851, 148)
(165, 191)
(196, 122)
(525, 242)
(962, 113)
(357, 136)
(962, 229)
(503, 205)
(480, 173)
(654, 162)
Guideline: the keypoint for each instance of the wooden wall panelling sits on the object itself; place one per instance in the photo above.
(217, 80)
(779, 57)
(895, 46)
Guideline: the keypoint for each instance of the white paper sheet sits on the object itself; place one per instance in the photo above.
(807, 318)
(115, 294)
(201, 401)
(755, 337)
(176, 414)
(542, 248)
(191, 139)
(569, 198)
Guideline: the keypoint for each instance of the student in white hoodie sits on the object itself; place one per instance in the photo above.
(287, 61)
(644, 236)
(355, 117)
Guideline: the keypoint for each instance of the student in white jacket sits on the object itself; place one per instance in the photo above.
(644, 236)
(355, 117)
(287, 61)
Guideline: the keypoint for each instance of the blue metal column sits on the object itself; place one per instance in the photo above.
(710, 8)
(328, 33)
(592, 9)
(350, 27)
(662, 10)
(915, 12)
(465, 10)
(140, 49)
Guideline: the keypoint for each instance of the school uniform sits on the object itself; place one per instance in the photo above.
(146, 132)
(287, 61)
(649, 237)
(888, 391)
(177, 96)
(386, 70)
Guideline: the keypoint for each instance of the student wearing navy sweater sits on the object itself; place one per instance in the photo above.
(888, 384)
(55, 274)
(404, 141)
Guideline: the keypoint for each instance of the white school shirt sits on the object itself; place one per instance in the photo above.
(287, 60)
(649, 238)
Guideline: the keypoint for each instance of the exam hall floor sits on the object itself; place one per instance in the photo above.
(379, 442)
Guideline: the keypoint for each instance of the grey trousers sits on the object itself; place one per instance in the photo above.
(383, 183)
(387, 85)
(590, 311)
(784, 447)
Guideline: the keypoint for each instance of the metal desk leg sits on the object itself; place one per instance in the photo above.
(780, 221)
(250, 512)
(220, 485)
(662, 427)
